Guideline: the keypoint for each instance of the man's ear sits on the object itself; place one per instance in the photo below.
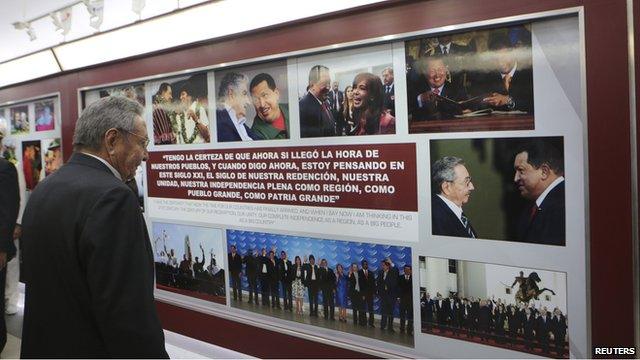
(545, 170)
(111, 139)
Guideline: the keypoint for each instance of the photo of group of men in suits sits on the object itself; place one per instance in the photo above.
(469, 75)
(522, 181)
(525, 314)
(328, 283)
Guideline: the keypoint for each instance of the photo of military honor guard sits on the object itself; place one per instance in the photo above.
(253, 103)
(359, 288)
(503, 306)
(189, 261)
(503, 189)
(347, 93)
(180, 114)
(484, 75)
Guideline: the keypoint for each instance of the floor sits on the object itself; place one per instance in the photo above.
(178, 346)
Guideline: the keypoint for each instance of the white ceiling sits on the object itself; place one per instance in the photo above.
(15, 43)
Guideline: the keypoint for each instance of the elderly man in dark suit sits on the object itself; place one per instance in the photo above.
(235, 270)
(315, 116)
(539, 170)
(452, 187)
(9, 206)
(87, 257)
(387, 284)
(233, 100)
(439, 99)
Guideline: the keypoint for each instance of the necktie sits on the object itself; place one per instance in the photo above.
(532, 212)
(436, 91)
(507, 81)
(467, 225)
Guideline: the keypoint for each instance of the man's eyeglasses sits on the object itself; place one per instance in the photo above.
(144, 138)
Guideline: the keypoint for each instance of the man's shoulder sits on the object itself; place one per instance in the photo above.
(6, 165)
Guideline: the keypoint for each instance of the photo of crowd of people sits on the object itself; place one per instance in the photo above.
(180, 110)
(133, 92)
(347, 93)
(503, 306)
(45, 115)
(360, 288)
(20, 121)
(483, 74)
(502, 189)
(189, 261)
(253, 103)
(31, 163)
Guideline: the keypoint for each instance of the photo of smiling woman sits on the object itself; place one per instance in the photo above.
(368, 114)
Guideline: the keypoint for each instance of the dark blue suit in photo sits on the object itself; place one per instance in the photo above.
(444, 221)
(227, 130)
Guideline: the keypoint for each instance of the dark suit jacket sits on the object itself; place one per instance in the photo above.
(389, 99)
(520, 89)
(548, 224)
(235, 264)
(9, 206)
(368, 284)
(439, 109)
(444, 221)
(307, 280)
(314, 121)
(285, 275)
(88, 268)
(251, 265)
(405, 288)
(227, 130)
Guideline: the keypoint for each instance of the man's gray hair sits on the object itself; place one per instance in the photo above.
(315, 72)
(112, 112)
(231, 80)
(443, 171)
(389, 69)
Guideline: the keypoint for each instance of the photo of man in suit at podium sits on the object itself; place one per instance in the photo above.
(452, 188)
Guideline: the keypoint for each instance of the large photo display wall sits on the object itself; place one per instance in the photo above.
(420, 197)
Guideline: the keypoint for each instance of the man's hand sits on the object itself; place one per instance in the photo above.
(3, 260)
(496, 99)
(427, 97)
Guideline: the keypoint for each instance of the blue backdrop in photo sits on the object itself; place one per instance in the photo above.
(335, 251)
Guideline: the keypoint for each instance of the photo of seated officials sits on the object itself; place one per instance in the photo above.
(19, 120)
(253, 103)
(347, 93)
(359, 288)
(501, 189)
(180, 114)
(45, 115)
(503, 306)
(479, 80)
(190, 261)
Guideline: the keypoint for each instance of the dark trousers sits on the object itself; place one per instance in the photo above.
(253, 287)
(275, 294)
(406, 314)
(328, 303)
(264, 288)
(356, 307)
(387, 312)
(237, 286)
(313, 299)
(3, 324)
(368, 307)
(287, 295)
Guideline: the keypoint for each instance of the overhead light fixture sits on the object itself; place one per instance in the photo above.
(96, 12)
(62, 20)
(29, 67)
(23, 25)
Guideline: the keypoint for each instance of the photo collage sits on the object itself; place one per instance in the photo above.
(498, 259)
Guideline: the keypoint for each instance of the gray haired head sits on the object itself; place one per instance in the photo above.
(443, 171)
(231, 80)
(316, 73)
(112, 112)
